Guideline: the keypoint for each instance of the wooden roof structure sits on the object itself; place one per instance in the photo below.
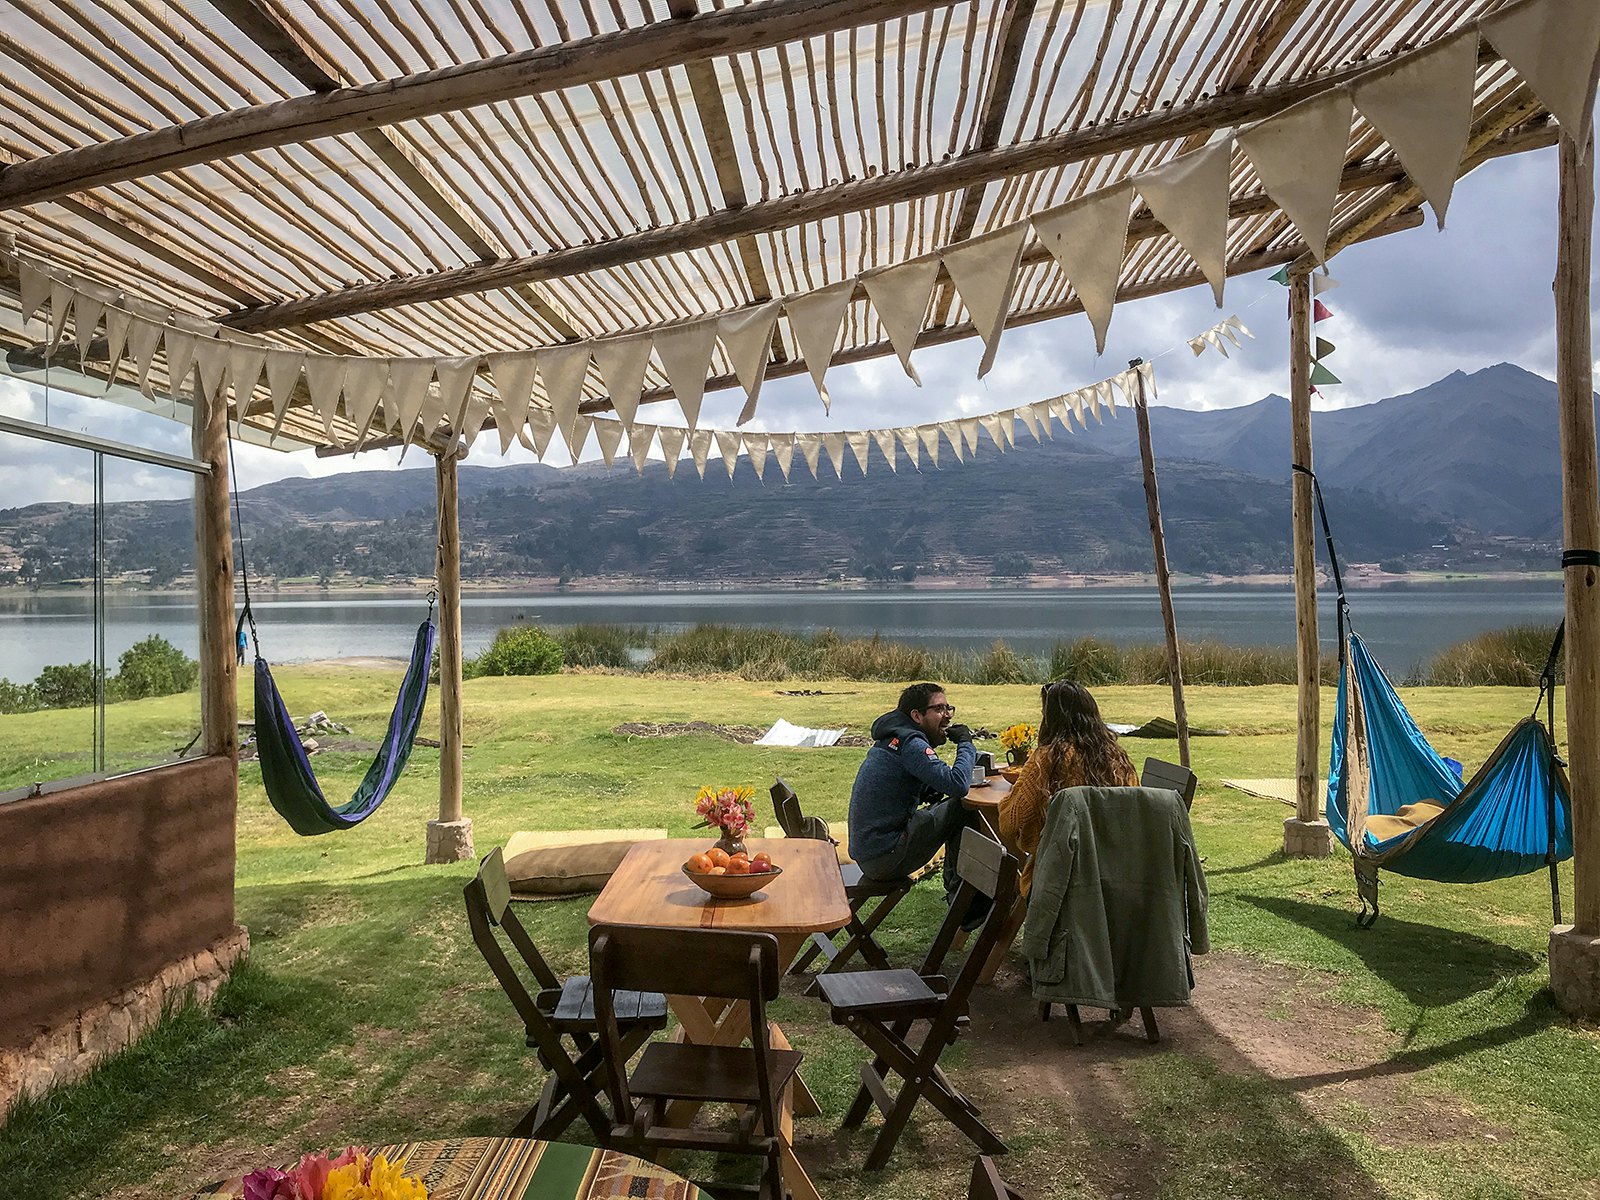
(450, 177)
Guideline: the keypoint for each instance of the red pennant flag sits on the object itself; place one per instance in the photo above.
(1320, 311)
(1314, 391)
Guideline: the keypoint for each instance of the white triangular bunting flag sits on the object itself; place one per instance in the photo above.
(212, 357)
(833, 443)
(579, 435)
(455, 377)
(911, 443)
(607, 436)
(35, 287)
(782, 451)
(970, 429)
(1040, 412)
(747, 338)
(1092, 398)
(408, 388)
(541, 428)
(513, 379)
(928, 435)
(810, 446)
(1030, 419)
(685, 354)
(562, 370)
(900, 295)
(434, 403)
(639, 439)
(671, 439)
(990, 423)
(1088, 238)
(62, 295)
(984, 271)
(700, 449)
(283, 374)
(143, 339)
(363, 386)
(1198, 344)
(473, 414)
(885, 440)
(814, 319)
(1147, 372)
(952, 434)
(728, 444)
(1061, 411)
(1108, 393)
(324, 380)
(1423, 107)
(1553, 45)
(1299, 156)
(86, 314)
(1189, 196)
(180, 357)
(623, 362)
(755, 448)
(1320, 283)
(1215, 339)
(244, 371)
(118, 323)
(1008, 427)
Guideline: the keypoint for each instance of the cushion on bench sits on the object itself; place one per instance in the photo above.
(570, 861)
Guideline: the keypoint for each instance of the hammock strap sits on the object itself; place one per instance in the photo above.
(1342, 612)
(1547, 694)
(245, 614)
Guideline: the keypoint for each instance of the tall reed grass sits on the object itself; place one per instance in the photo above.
(1501, 658)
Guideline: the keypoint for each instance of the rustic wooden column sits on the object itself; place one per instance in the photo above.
(1575, 948)
(213, 569)
(1306, 834)
(450, 837)
(1158, 543)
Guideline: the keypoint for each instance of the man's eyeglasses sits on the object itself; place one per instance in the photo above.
(940, 708)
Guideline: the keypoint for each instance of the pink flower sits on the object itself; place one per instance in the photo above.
(309, 1180)
(268, 1183)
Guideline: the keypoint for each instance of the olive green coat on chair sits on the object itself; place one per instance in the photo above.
(1118, 902)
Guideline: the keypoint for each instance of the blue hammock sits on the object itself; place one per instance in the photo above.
(1397, 803)
(286, 771)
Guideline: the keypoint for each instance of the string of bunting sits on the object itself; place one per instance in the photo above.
(1420, 102)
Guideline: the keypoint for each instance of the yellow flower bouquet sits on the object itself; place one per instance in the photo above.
(1018, 741)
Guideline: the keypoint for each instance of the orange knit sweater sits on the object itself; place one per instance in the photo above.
(1050, 768)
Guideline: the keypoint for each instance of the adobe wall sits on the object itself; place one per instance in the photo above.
(103, 887)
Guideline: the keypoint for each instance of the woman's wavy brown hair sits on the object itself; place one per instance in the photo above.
(1071, 718)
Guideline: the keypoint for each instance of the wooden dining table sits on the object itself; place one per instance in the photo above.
(650, 889)
(987, 802)
(492, 1168)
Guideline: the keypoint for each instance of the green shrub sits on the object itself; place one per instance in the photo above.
(518, 650)
(17, 697)
(1087, 660)
(68, 685)
(708, 649)
(153, 667)
(597, 645)
(872, 658)
(1501, 658)
(1001, 664)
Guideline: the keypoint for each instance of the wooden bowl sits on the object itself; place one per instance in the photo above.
(1008, 773)
(732, 887)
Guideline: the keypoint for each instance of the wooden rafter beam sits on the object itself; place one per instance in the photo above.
(390, 101)
(1013, 39)
(770, 216)
(1253, 55)
(264, 29)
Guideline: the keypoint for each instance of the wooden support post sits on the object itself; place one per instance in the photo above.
(450, 837)
(1575, 948)
(1306, 834)
(213, 534)
(1158, 542)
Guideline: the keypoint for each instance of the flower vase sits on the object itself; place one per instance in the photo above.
(730, 845)
(1017, 757)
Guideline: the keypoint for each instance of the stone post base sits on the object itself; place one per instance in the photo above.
(1307, 839)
(1575, 972)
(450, 841)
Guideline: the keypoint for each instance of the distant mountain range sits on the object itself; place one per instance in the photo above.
(1463, 473)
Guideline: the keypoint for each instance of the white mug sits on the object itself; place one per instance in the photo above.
(977, 774)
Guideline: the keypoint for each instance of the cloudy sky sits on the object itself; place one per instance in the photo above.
(1410, 309)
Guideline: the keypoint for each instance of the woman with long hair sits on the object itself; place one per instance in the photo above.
(1076, 749)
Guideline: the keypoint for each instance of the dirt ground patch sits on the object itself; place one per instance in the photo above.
(745, 735)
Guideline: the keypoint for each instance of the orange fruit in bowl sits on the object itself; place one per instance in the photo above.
(718, 856)
(738, 866)
(699, 864)
(717, 871)
(761, 863)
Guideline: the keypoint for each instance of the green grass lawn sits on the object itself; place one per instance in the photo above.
(365, 1014)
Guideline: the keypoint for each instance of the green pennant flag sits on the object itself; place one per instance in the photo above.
(1321, 374)
(1324, 348)
(1281, 275)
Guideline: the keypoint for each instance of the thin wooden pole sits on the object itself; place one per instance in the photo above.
(1158, 542)
(1306, 834)
(213, 533)
(1580, 524)
(450, 837)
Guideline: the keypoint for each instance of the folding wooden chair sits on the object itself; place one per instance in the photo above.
(714, 964)
(879, 1007)
(858, 889)
(553, 1012)
(986, 1182)
(1158, 774)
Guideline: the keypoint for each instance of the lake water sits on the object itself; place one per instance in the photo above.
(1404, 624)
